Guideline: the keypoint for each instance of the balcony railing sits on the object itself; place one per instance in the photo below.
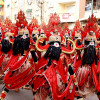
(88, 13)
(96, 5)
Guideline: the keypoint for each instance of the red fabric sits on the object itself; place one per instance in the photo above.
(98, 67)
(39, 54)
(59, 67)
(79, 46)
(68, 45)
(10, 52)
(3, 95)
(1, 51)
(41, 63)
(1, 59)
(1, 39)
(51, 77)
(19, 63)
(40, 71)
(14, 78)
(31, 41)
(14, 82)
(77, 63)
(96, 79)
(13, 59)
(61, 71)
(43, 47)
(71, 95)
(44, 91)
(97, 85)
(83, 81)
(38, 82)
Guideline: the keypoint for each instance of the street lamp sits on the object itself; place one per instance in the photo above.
(92, 8)
(40, 5)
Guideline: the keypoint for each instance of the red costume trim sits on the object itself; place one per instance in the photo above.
(31, 41)
(61, 71)
(83, 81)
(41, 63)
(13, 59)
(98, 67)
(96, 82)
(77, 63)
(3, 95)
(1, 59)
(40, 68)
(70, 96)
(51, 77)
(43, 47)
(14, 82)
(19, 63)
(38, 81)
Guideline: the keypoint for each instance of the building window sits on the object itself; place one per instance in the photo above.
(29, 13)
(96, 5)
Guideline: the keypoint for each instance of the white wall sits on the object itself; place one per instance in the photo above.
(7, 10)
(49, 7)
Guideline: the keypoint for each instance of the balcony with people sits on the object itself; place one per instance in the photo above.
(88, 9)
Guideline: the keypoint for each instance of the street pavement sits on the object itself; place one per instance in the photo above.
(23, 94)
(27, 95)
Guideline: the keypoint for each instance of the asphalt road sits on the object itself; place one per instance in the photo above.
(27, 95)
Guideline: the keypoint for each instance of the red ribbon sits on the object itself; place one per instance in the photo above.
(51, 77)
(13, 59)
(14, 82)
(19, 63)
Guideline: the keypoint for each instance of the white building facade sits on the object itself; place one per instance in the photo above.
(68, 10)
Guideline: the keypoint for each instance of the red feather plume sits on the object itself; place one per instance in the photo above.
(54, 23)
(91, 25)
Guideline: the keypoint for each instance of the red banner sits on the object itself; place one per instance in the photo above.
(66, 15)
